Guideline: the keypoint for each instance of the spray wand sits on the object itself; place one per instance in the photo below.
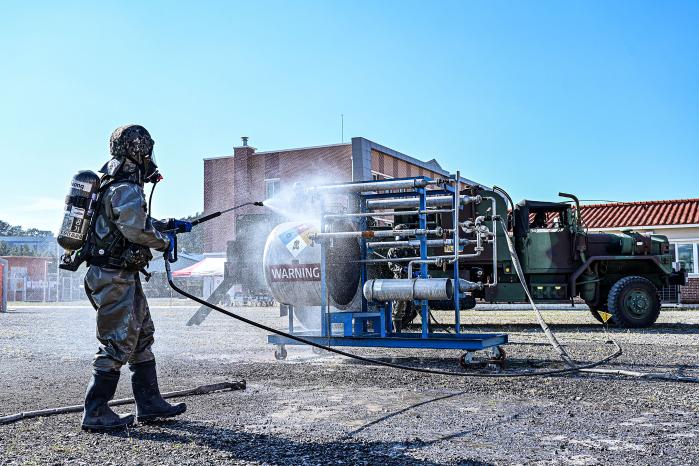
(180, 229)
(212, 216)
(173, 227)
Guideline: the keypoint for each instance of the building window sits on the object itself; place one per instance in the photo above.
(272, 187)
(686, 254)
(376, 176)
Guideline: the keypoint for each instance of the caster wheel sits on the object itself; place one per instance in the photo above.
(466, 360)
(499, 357)
(280, 353)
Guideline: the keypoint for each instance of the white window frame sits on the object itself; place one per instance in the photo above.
(276, 191)
(695, 253)
(374, 174)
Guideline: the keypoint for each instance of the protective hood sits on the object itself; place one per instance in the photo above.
(121, 168)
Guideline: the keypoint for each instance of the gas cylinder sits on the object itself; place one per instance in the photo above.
(79, 210)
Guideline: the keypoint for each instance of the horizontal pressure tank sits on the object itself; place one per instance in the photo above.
(291, 264)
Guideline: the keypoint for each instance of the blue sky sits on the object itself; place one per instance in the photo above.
(596, 98)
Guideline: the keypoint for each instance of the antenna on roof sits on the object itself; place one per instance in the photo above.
(342, 127)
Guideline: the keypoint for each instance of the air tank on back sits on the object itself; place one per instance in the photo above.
(78, 211)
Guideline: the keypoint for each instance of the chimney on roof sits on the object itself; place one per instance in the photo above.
(245, 141)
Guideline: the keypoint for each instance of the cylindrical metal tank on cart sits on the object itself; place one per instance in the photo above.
(291, 264)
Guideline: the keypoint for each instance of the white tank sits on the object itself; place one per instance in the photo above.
(291, 264)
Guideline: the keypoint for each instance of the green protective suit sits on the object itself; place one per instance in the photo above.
(124, 326)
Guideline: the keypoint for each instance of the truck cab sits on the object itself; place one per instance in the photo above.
(618, 275)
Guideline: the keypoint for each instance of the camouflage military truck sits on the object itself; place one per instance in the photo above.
(617, 275)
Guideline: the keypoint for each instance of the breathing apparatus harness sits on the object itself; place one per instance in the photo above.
(115, 251)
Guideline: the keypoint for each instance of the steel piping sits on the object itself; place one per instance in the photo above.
(378, 233)
(390, 213)
(383, 185)
(495, 240)
(430, 201)
(404, 289)
(414, 243)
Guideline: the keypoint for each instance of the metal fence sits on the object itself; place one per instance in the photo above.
(670, 294)
(56, 288)
(4, 285)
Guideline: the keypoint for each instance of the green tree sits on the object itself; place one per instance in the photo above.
(21, 250)
(15, 230)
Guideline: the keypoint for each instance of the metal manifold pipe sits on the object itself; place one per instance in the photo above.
(405, 289)
(430, 201)
(414, 243)
(385, 185)
(390, 213)
(378, 233)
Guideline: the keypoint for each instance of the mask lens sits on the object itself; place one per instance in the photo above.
(151, 158)
(151, 168)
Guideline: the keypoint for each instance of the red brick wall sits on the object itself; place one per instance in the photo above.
(36, 266)
(690, 293)
(239, 179)
(218, 195)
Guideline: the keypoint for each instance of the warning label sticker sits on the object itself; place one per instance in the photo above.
(297, 239)
(295, 273)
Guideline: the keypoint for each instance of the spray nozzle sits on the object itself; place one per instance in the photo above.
(259, 203)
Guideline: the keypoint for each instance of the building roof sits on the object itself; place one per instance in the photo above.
(346, 147)
(641, 213)
(294, 149)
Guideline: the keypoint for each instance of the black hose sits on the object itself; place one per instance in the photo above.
(330, 349)
(200, 390)
(150, 197)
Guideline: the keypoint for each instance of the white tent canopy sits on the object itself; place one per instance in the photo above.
(209, 267)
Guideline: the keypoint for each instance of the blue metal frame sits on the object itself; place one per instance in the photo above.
(371, 326)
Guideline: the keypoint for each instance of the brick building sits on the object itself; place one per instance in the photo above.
(676, 219)
(28, 278)
(249, 175)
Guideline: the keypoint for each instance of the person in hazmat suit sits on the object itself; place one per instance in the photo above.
(118, 250)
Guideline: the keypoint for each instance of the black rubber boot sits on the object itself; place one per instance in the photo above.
(97, 415)
(150, 405)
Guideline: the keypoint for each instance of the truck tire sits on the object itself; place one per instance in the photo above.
(634, 302)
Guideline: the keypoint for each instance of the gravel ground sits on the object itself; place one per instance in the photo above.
(323, 409)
